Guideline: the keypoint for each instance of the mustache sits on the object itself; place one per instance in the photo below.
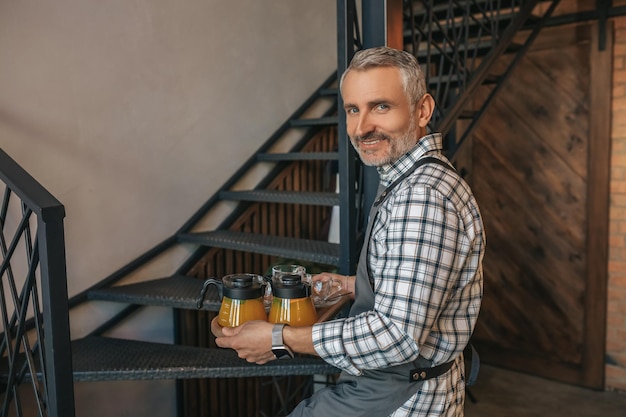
(370, 136)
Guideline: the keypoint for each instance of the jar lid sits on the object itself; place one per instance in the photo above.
(290, 286)
(243, 286)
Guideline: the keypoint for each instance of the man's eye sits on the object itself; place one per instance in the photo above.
(352, 110)
(382, 106)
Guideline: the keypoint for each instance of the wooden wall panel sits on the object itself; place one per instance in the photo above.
(531, 163)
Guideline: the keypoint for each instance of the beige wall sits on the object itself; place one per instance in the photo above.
(132, 113)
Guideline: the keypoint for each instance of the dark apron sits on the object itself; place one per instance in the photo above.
(377, 392)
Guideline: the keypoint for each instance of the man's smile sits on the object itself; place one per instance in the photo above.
(370, 139)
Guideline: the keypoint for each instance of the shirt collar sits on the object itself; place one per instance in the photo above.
(427, 144)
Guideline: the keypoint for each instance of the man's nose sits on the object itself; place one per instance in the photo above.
(363, 125)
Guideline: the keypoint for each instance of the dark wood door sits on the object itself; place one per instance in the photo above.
(540, 174)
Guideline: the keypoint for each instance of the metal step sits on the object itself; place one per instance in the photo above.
(467, 115)
(302, 249)
(333, 91)
(442, 9)
(471, 31)
(177, 291)
(289, 197)
(479, 48)
(322, 121)
(107, 359)
(297, 156)
(453, 80)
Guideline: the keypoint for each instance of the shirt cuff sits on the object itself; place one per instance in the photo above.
(328, 344)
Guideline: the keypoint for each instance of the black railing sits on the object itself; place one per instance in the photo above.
(348, 41)
(35, 355)
(458, 42)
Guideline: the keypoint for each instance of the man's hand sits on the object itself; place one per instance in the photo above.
(252, 340)
(216, 329)
(347, 282)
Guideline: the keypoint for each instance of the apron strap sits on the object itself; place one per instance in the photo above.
(385, 193)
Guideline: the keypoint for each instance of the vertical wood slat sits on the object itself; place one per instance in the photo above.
(395, 24)
(598, 207)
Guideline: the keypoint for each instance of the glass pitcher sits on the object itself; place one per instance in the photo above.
(292, 303)
(242, 299)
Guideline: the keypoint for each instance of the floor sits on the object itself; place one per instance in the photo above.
(503, 393)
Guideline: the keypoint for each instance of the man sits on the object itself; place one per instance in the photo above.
(419, 281)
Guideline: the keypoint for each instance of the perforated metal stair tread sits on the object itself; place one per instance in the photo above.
(177, 291)
(291, 197)
(298, 156)
(302, 249)
(106, 359)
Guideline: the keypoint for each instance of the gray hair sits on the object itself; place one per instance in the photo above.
(412, 77)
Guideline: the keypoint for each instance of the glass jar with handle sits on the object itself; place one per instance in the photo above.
(292, 303)
(242, 299)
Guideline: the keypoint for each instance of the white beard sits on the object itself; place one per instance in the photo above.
(397, 146)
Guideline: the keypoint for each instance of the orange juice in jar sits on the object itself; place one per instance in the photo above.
(292, 303)
(295, 312)
(234, 312)
(242, 300)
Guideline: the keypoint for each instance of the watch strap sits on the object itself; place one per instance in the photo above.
(277, 334)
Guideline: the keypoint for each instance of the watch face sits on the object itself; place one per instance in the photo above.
(282, 353)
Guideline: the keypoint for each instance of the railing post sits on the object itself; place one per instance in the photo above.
(374, 34)
(382, 25)
(380, 28)
(346, 12)
(59, 375)
(53, 336)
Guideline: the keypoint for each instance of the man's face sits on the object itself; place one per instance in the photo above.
(379, 118)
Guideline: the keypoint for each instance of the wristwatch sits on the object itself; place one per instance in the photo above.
(278, 347)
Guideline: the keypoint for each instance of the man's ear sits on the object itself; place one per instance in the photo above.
(424, 110)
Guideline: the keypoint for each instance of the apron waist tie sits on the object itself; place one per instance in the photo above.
(422, 374)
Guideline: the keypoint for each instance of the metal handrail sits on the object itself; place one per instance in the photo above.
(459, 41)
(33, 217)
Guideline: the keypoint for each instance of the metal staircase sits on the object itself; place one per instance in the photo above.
(460, 44)
(460, 41)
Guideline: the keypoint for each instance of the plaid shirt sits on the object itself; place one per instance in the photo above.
(425, 255)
